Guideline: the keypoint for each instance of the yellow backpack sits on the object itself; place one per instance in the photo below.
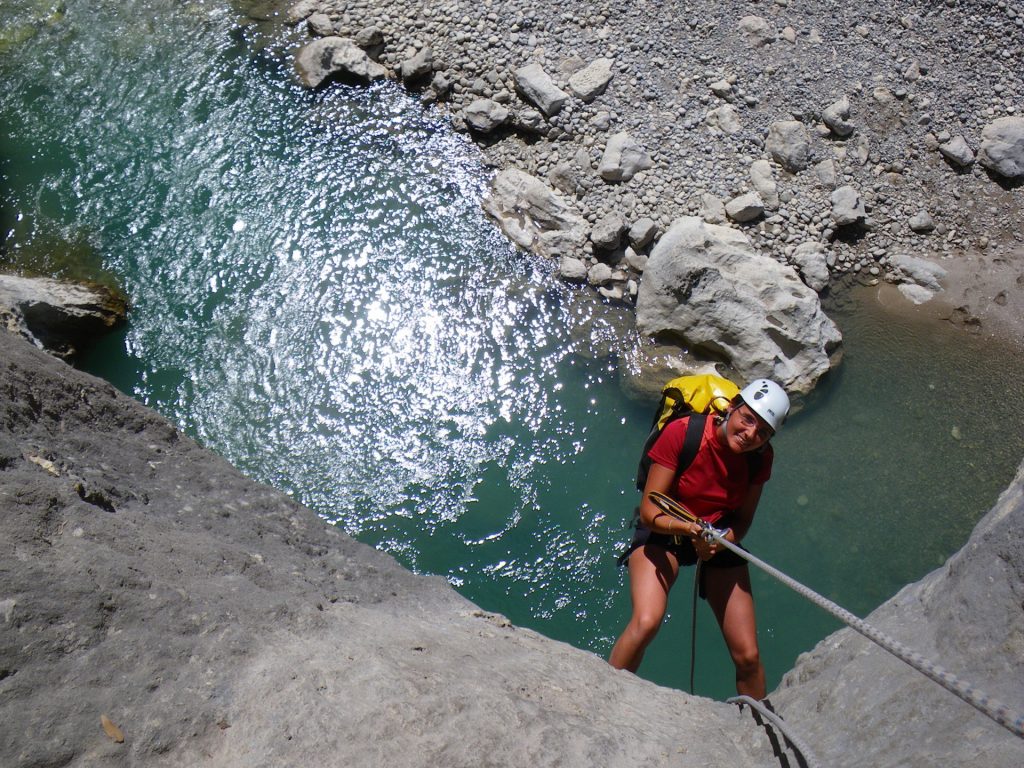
(701, 394)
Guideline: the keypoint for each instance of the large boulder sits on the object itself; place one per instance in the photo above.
(327, 58)
(58, 316)
(1002, 147)
(707, 286)
(967, 617)
(534, 216)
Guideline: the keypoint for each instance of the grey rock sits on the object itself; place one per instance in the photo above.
(756, 30)
(642, 232)
(599, 274)
(58, 316)
(623, 158)
(712, 209)
(745, 207)
(837, 117)
(327, 57)
(369, 37)
(812, 263)
(534, 84)
(707, 285)
(847, 207)
(320, 25)
(607, 231)
(913, 269)
(214, 619)
(957, 151)
(440, 84)
(921, 222)
(534, 216)
(301, 10)
(591, 81)
(966, 616)
(1002, 147)
(789, 145)
(485, 115)
(721, 88)
(530, 121)
(826, 173)
(764, 183)
(572, 269)
(602, 121)
(725, 119)
(418, 67)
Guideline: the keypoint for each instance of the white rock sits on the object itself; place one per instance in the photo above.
(1002, 147)
(744, 208)
(836, 117)
(623, 158)
(327, 57)
(811, 261)
(724, 119)
(485, 115)
(847, 207)
(534, 216)
(537, 87)
(789, 145)
(764, 182)
(756, 30)
(957, 151)
(591, 81)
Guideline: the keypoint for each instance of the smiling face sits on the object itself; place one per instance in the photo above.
(743, 430)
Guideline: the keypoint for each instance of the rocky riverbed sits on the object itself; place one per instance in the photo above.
(883, 142)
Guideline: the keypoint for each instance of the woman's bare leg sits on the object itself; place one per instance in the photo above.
(652, 571)
(730, 597)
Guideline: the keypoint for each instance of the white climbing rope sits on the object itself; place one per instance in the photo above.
(1002, 714)
(780, 725)
(996, 710)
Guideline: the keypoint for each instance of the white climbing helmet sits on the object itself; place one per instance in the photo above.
(768, 400)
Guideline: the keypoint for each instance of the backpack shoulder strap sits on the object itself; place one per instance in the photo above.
(691, 443)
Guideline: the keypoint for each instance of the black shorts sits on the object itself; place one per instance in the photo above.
(682, 548)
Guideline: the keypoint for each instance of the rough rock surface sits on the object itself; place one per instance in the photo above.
(214, 621)
(966, 616)
(705, 284)
(534, 216)
(56, 315)
(318, 62)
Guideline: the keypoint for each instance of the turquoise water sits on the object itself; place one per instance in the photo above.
(318, 297)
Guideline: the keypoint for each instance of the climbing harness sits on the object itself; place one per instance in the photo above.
(997, 711)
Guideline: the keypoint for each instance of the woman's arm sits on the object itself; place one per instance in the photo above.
(661, 479)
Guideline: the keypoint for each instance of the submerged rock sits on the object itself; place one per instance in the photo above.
(707, 286)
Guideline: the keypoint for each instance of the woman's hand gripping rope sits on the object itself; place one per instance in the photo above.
(706, 543)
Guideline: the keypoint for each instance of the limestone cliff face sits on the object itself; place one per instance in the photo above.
(860, 706)
(214, 621)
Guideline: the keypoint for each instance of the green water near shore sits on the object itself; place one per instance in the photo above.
(318, 297)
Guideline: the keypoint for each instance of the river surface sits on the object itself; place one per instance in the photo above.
(318, 297)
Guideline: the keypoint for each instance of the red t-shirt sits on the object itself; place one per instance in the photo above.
(717, 480)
